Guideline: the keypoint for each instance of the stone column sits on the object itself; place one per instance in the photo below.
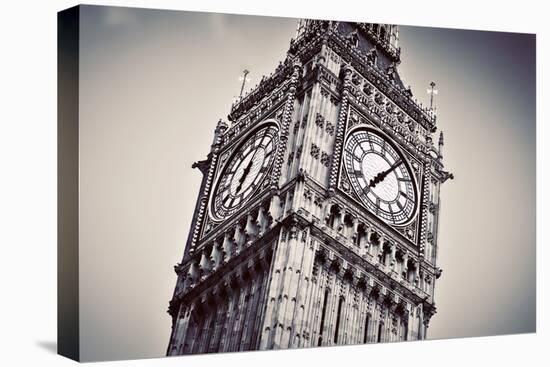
(355, 232)
(339, 136)
(393, 251)
(341, 225)
(368, 235)
(285, 123)
(179, 333)
(422, 334)
(381, 249)
(406, 265)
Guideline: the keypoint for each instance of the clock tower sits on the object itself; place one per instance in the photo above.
(317, 218)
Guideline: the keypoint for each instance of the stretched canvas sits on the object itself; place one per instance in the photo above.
(233, 183)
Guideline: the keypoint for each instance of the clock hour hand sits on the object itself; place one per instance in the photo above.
(382, 175)
(245, 173)
(247, 168)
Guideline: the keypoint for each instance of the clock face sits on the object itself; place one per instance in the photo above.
(381, 177)
(245, 171)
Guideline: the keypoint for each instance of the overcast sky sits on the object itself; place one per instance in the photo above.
(153, 85)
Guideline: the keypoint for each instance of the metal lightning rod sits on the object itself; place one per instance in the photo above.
(244, 79)
(432, 92)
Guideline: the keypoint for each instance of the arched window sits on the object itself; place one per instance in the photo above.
(361, 233)
(366, 333)
(380, 328)
(334, 214)
(348, 224)
(323, 314)
(385, 254)
(338, 317)
(419, 336)
(383, 33)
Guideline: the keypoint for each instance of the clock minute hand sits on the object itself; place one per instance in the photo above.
(382, 175)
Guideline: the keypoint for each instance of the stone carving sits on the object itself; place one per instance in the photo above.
(314, 151)
(329, 128)
(325, 159)
(319, 120)
(371, 56)
(290, 158)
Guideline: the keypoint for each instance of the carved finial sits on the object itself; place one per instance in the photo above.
(372, 56)
(432, 92)
(353, 38)
(440, 150)
(221, 127)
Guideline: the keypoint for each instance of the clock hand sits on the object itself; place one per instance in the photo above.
(249, 166)
(245, 173)
(382, 175)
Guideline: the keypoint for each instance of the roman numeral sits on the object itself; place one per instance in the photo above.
(406, 195)
(263, 137)
(225, 199)
(370, 143)
(399, 205)
(223, 188)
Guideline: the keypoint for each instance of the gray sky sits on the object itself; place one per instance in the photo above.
(153, 85)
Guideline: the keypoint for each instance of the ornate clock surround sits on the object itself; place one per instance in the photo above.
(411, 230)
(228, 154)
(409, 187)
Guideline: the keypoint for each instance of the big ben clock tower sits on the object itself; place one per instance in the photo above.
(317, 218)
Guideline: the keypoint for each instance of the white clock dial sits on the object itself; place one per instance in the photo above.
(245, 171)
(380, 175)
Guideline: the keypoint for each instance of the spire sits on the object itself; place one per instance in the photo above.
(385, 36)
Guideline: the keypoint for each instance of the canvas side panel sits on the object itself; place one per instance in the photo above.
(68, 22)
